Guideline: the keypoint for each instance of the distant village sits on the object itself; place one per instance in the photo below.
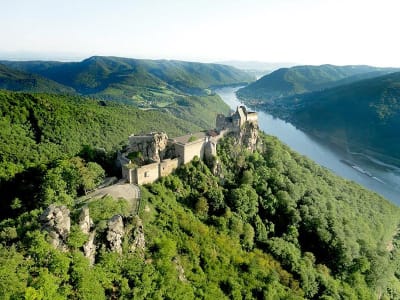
(151, 156)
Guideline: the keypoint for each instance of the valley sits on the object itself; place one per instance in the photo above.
(387, 176)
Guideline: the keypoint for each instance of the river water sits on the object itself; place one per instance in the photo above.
(376, 176)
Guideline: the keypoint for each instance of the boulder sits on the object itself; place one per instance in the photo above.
(115, 233)
(57, 222)
(139, 242)
(89, 248)
(85, 222)
(248, 135)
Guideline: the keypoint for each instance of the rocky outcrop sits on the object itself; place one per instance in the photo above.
(152, 146)
(248, 135)
(180, 269)
(115, 233)
(56, 221)
(139, 242)
(85, 222)
(89, 248)
(210, 150)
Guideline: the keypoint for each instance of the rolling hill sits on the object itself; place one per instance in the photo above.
(302, 79)
(15, 80)
(135, 80)
(363, 116)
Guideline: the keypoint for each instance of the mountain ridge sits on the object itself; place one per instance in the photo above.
(302, 79)
(120, 78)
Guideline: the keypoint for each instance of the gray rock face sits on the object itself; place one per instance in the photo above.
(249, 135)
(139, 242)
(152, 146)
(56, 221)
(210, 150)
(85, 222)
(89, 248)
(115, 233)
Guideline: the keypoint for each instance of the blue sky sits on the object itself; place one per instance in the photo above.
(301, 31)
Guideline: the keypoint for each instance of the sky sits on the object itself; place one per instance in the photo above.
(338, 32)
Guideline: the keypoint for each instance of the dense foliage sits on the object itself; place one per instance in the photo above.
(271, 225)
(302, 79)
(39, 128)
(15, 80)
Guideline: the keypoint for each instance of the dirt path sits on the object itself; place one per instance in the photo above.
(127, 191)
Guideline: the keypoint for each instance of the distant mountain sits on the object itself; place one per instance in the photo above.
(15, 80)
(362, 116)
(257, 68)
(302, 79)
(177, 87)
(135, 80)
(257, 65)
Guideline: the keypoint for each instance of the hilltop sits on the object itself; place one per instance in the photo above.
(302, 79)
(15, 80)
(268, 224)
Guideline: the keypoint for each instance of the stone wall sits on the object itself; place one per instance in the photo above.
(146, 174)
(222, 122)
(186, 152)
(167, 166)
(156, 147)
(252, 117)
(152, 146)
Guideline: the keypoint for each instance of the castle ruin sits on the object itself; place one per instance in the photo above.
(151, 156)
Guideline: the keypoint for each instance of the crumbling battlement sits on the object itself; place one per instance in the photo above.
(151, 156)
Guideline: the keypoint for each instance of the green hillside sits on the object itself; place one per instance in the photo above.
(363, 116)
(14, 80)
(302, 79)
(142, 82)
(272, 225)
(39, 128)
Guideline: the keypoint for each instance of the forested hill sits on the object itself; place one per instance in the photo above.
(302, 79)
(15, 80)
(269, 225)
(363, 116)
(39, 128)
(135, 80)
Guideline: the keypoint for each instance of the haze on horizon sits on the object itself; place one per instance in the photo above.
(302, 31)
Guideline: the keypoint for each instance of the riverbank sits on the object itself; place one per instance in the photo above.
(387, 182)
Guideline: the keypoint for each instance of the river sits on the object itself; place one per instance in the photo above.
(372, 174)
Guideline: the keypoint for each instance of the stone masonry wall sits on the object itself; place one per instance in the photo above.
(146, 174)
(186, 152)
(168, 166)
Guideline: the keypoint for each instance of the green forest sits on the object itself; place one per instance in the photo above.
(304, 79)
(269, 224)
